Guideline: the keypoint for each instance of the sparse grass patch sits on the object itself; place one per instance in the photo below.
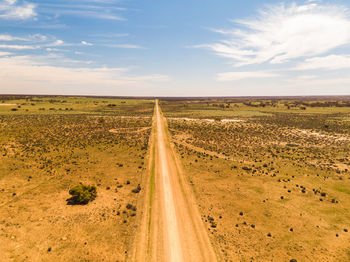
(43, 153)
(287, 169)
(342, 189)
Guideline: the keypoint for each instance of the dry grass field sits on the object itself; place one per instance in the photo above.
(272, 181)
(45, 152)
(267, 179)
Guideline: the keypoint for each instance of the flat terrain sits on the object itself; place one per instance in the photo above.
(173, 230)
(43, 153)
(271, 178)
(240, 179)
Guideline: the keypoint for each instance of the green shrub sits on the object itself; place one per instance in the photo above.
(82, 194)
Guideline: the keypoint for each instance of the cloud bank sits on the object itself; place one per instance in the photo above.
(39, 75)
(282, 33)
(17, 10)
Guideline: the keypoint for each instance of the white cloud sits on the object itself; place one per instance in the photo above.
(5, 53)
(11, 2)
(282, 33)
(110, 35)
(127, 46)
(33, 41)
(19, 47)
(86, 13)
(331, 62)
(234, 76)
(57, 43)
(12, 10)
(37, 37)
(37, 74)
(49, 49)
(31, 38)
(10, 38)
(319, 85)
(86, 43)
(56, 58)
(307, 77)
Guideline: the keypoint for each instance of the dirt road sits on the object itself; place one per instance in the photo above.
(171, 228)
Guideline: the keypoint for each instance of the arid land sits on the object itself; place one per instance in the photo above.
(229, 179)
(271, 177)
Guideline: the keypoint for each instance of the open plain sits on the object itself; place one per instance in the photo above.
(271, 176)
(49, 145)
(175, 131)
(231, 179)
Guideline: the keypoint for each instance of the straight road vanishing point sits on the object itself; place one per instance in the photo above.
(171, 228)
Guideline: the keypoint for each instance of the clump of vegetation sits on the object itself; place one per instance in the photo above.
(82, 194)
(131, 207)
(137, 190)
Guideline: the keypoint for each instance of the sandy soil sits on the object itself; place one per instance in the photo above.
(128, 130)
(207, 120)
(292, 204)
(36, 221)
(173, 225)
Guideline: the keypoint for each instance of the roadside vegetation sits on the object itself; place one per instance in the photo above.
(24, 105)
(45, 154)
(271, 177)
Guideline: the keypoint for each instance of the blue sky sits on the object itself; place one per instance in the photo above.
(175, 48)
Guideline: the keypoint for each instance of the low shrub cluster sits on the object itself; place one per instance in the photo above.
(82, 194)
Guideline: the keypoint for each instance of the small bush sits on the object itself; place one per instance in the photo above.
(136, 190)
(82, 194)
